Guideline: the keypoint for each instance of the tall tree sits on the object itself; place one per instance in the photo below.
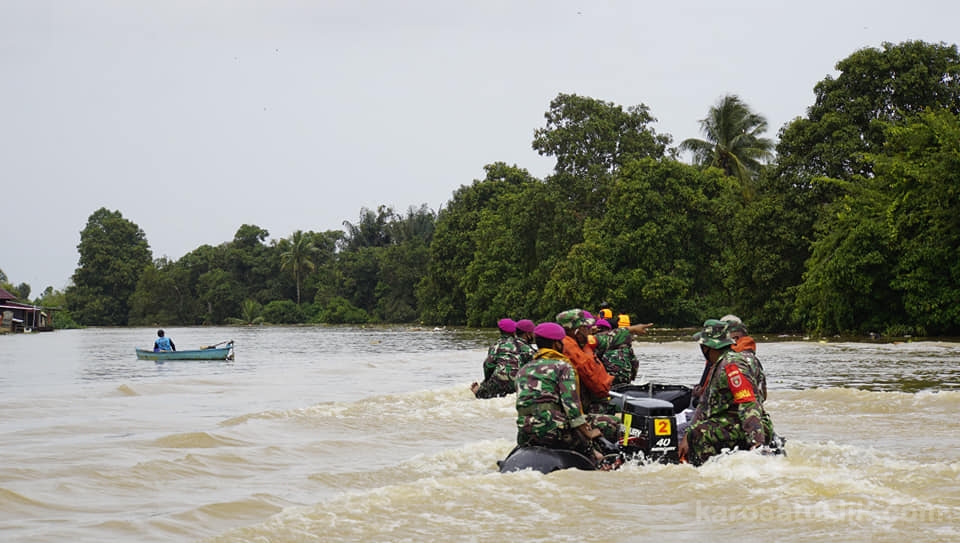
(765, 246)
(253, 264)
(886, 259)
(441, 293)
(221, 296)
(875, 86)
(403, 263)
(591, 140)
(23, 291)
(156, 298)
(418, 223)
(359, 276)
(838, 140)
(358, 262)
(519, 242)
(401, 267)
(371, 230)
(113, 254)
(321, 286)
(920, 166)
(846, 287)
(587, 135)
(298, 257)
(651, 253)
(734, 140)
(768, 256)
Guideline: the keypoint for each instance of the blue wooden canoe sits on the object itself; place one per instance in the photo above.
(212, 353)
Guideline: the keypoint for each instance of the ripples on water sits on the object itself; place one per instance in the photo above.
(346, 434)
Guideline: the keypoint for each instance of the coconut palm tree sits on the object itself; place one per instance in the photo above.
(298, 257)
(733, 140)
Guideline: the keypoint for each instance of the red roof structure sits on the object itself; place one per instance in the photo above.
(6, 296)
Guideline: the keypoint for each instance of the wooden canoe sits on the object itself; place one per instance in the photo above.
(213, 353)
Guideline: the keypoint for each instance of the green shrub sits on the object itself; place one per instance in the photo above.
(341, 311)
(283, 312)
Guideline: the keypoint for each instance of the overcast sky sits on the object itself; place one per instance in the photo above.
(195, 117)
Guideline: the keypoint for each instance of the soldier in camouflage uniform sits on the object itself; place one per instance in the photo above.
(548, 400)
(525, 341)
(615, 351)
(745, 345)
(501, 365)
(730, 414)
(595, 381)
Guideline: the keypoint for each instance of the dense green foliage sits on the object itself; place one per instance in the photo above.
(440, 292)
(113, 255)
(886, 254)
(851, 228)
(856, 164)
(875, 88)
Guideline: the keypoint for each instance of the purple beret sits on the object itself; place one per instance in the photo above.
(525, 325)
(507, 326)
(603, 323)
(550, 330)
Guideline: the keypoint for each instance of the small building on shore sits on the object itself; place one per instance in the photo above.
(20, 317)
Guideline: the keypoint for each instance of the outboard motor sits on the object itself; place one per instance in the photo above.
(650, 424)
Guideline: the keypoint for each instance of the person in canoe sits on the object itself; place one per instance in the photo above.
(163, 343)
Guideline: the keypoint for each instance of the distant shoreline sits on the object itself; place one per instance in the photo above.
(654, 335)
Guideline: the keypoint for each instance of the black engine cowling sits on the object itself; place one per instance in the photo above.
(648, 414)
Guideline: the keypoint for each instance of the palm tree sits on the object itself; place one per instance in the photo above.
(733, 140)
(250, 313)
(298, 257)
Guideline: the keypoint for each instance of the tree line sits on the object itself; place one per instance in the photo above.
(849, 223)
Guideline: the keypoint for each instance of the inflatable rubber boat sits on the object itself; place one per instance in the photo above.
(653, 416)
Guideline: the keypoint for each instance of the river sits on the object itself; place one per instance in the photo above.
(371, 434)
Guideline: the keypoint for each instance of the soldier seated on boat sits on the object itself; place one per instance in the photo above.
(730, 414)
(501, 365)
(549, 412)
(163, 343)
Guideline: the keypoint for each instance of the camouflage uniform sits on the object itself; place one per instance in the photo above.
(500, 368)
(590, 372)
(730, 413)
(761, 380)
(548, 404)
(742, 343)
(596, 408)
(609, 425)
(527, 351)
(615, 352)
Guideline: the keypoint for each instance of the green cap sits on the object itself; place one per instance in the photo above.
(573, 318)
(714, 334)
(734, 324)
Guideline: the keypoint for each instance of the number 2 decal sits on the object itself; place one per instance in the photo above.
(661, 427)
